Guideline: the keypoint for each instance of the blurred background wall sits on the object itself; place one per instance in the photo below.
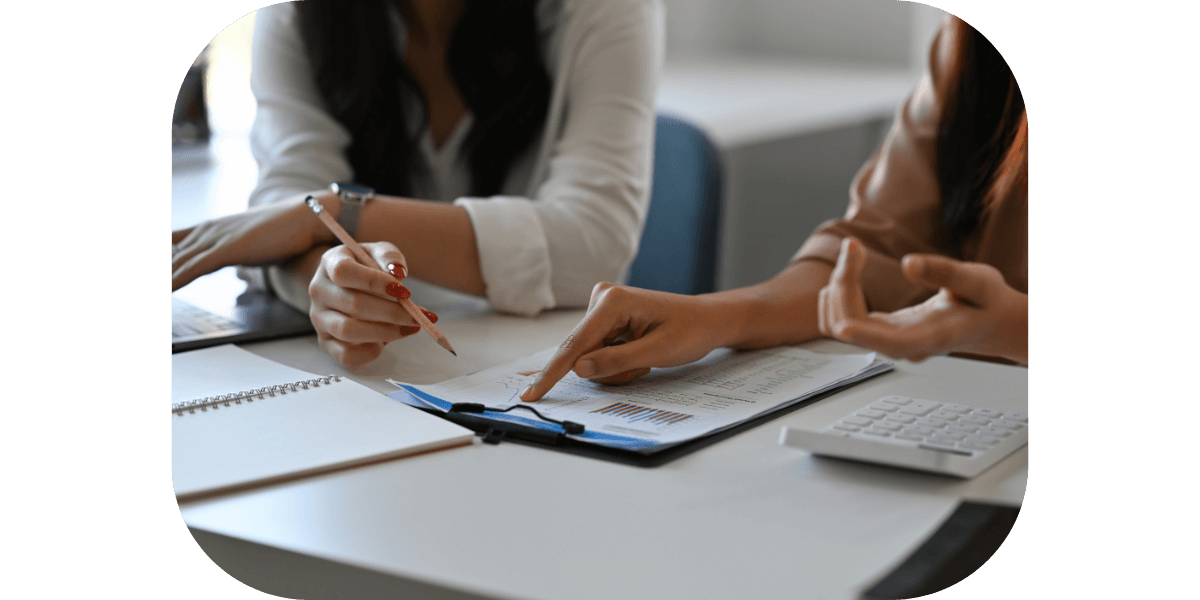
(795, 93)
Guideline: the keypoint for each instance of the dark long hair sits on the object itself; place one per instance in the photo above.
(494, 59)
(982, 131)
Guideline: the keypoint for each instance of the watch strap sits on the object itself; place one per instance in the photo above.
(348, 216)
(353, 196)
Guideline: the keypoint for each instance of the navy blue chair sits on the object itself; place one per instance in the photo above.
(678, 252)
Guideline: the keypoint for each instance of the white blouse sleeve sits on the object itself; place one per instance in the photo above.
(585, 220)
(298, 146)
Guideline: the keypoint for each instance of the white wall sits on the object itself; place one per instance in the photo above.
(866, 32)
(779, 188)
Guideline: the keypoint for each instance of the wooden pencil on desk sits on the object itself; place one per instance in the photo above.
(361, 255)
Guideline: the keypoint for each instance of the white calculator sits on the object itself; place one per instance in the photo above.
(951, 439)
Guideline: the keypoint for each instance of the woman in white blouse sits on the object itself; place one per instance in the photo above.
(528, 123)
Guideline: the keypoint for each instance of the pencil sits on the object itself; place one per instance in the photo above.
(361, 255)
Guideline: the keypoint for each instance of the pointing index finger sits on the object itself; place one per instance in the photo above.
(586, 336)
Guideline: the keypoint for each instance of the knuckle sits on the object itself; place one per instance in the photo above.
(570, 342)
(355, 304)
(314, 290)
(611, 290)
(339, 270)
(339, 328)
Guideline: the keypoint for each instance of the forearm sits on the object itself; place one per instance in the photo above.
(779, 311)
(1016, 332)
(438, 240)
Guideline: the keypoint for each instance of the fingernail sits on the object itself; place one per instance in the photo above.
(406, 330)
(396, 290)
(525, 393)
(914, 265)
(397, 270)
(431, 316)
(585, 368)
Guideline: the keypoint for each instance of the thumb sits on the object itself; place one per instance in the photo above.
(850, 261)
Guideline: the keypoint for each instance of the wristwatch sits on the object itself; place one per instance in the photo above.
(354, 196)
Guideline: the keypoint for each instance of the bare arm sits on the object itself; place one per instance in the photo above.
(657, 329)
(436, 239)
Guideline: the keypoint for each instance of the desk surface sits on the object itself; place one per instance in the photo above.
(742, 518)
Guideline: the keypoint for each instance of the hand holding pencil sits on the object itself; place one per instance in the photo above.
(358, 290)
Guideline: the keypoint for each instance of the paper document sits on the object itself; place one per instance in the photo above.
(666, 407)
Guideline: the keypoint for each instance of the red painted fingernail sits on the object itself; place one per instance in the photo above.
(396, 290)
(406, 330)
(397, 270)
(431, 316)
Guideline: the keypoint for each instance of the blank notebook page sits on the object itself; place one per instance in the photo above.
(322, 428)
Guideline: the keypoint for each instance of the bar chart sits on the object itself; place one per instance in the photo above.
(633, 413)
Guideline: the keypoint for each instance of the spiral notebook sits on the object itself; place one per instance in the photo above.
(240, 420)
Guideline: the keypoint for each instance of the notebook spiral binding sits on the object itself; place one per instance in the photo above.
(215, 402)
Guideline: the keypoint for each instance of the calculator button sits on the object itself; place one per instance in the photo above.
(962, 428)
(871, 414)
(857, 421)
(948, 436)
(885, 406)
(987, 412)
(1021, 417)
(982, 439)
(977, 420)
(889, 426)
(943, 414)
(900, 418)
(899, 400)
(909, 436)
(931, 422)
(958, 408)
(919, 430)
(878, 432)
(845, 427)
(996, 431)
(1006, 424)
(920, 408)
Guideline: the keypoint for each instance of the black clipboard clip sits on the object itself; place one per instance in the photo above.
(495, 431)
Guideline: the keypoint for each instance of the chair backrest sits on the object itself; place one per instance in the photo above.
(678, 252)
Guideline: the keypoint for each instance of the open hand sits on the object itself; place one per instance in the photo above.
(354, 308)
(261, 235)
(973, 311)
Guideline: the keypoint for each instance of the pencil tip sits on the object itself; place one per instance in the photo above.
(454, 353)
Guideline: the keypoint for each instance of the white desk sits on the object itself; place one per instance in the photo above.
(743, 518)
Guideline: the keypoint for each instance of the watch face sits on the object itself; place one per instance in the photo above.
(356, 189)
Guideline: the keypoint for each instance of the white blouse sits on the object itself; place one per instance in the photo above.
(572, 207)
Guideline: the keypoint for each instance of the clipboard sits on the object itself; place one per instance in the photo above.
(494, 432)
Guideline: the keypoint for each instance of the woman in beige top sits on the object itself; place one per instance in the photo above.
(930, 258)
